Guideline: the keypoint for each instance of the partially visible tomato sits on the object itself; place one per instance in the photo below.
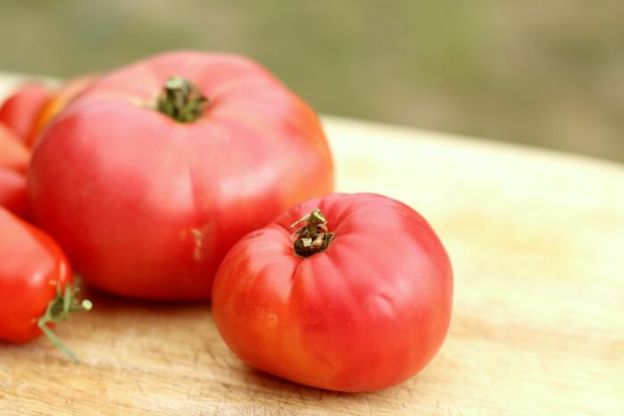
(357, 299)
(35, 283)
(13, 153)
(60, 98)
(13, 194)
(151, 174)
(21, 109)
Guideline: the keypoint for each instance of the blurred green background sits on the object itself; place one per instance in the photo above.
(547, 73)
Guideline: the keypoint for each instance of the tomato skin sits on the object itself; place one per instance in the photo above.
(13, 193)
(13, 154)
(58, 100)
(366, 313)
(20, 110)
(32, 267)
(147, 207)
(14, 159)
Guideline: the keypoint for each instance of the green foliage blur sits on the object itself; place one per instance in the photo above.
(547, 73)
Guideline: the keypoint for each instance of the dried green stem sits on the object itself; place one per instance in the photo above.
(312, 236)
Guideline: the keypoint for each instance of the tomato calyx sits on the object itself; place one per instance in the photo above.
(181, 100)
(59, 309)
(312, 236)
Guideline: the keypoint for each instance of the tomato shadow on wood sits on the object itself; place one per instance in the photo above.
(111, 301)
(128, 328)
(288, 391)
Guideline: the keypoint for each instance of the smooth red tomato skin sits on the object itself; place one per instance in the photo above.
(13, 154)
(13, 193)
(147, 207)
(20, 111)
(31, 268)
(368, 312)
(14, 159)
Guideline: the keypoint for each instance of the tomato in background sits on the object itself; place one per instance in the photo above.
(14, 159)
(153, 172)
(13, 153)
(35, 283)
(13, 192)
(59, 99)
(20, 110)
(358, 299)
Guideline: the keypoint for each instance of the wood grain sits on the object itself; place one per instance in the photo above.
(536, 239)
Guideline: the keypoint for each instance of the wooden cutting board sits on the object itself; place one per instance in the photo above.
(537, 242)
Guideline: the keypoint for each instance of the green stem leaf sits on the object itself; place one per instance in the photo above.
(59, 309)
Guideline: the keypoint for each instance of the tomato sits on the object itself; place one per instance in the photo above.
(35, 283)
(357, 299)
(13, 194)
(20, 110)
(13, 153)
(14, 159)
(147, 179)
(58, 101)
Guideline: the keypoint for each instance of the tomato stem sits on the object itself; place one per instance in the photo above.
(313, 236)
(181, 100)
(60, 308)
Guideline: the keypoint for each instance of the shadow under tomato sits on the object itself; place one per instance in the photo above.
(287, 391)
(112, 301)
(144, 319)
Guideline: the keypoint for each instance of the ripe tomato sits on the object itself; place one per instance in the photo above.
(13, 153)
(13, 194)
(21, 109)
(35, 283)
(357, 299)
(59, 99)
(147, 179)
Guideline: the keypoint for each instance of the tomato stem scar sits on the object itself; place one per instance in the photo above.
(181, 100)
(313, 236)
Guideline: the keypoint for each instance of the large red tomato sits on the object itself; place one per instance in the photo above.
(21, 109)
(157, 169)
(358, 298)
(35, 283)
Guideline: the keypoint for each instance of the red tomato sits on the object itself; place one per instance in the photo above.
(60, 99)
(21, 109)
(13, 153)
(146, 180)
(35, 282)
(357, 303)
(13, 194)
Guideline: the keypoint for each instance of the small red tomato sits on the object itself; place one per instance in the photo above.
(35, 283)
(13, 153)
(21, 109)
(357, 299)
(154, 171)
(13, 194)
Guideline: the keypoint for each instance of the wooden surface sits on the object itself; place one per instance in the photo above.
(536, 240)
